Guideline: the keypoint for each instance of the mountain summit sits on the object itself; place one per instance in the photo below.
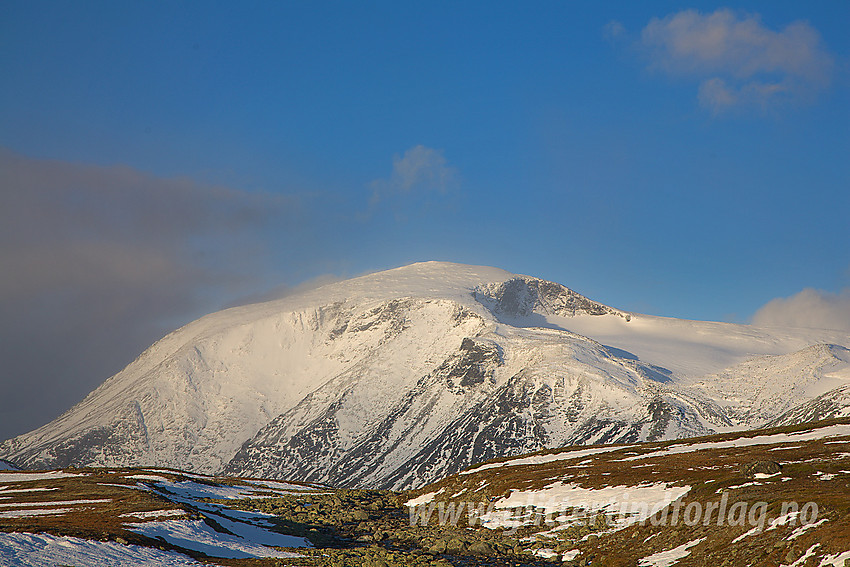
(398, 378)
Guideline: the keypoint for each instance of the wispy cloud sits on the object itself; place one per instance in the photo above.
(613, 30)
(809, 308)
(420, 169)
(98, 261)
(738, 61)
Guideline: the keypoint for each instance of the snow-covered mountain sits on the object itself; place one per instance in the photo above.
(401, 377)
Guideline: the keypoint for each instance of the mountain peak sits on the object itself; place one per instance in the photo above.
(399, 377)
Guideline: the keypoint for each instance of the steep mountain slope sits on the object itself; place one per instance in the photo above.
(401, 377)
(505, 393)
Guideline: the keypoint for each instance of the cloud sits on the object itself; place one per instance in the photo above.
(809, 308)
(420, 169)
(97, 262)
(738, 61)
(613, 30)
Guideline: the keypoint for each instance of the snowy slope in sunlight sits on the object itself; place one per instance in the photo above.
(400, 377)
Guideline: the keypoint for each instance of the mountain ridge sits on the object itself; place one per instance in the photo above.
(401, 377)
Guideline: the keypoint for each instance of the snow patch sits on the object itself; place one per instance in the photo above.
(802, 560)
(637, 503)
(804, 528)
(837, 560)
(154, 514)
(197, 535)
(542, 459)
(4, 491)
(423, 498)
(53, 503)
(150, 477)
(27, 477)
(284, 487)
(669, 557)
(762, 476)
(195, 490)
(545, 553)
(40, 550)
(34, 512)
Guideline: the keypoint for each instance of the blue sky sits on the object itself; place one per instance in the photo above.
(161, 160)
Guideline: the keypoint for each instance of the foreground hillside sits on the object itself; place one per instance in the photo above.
(768, 497)
(400, 378)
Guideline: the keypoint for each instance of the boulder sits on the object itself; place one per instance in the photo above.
(761, 467)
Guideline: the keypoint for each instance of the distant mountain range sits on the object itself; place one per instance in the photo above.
(399, 378)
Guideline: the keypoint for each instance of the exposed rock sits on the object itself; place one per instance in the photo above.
(523, 296)
(761, 467)
(455, 545)
(481, 548)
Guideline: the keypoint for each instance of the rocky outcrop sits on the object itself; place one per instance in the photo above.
(523, 296)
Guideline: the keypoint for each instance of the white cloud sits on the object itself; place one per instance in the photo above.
(420, 169)
(738, 60)
(810, 308)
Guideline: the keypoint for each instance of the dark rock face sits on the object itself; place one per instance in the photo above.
(475, 363)
(661, 413)
(523, 296)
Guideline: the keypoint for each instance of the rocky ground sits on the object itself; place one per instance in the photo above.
(360, 527)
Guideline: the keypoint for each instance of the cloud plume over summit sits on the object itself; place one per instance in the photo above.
(809, 308)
